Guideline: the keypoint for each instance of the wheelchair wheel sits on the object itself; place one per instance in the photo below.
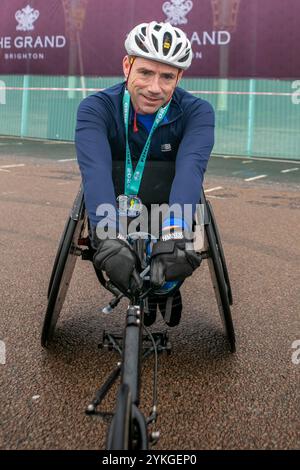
(221, 251)
(61, 243)
(63, 268)
(128, 429)
(119, 432)
(219, 282)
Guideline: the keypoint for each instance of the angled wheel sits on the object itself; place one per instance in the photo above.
(221, 288)
(63, 268)
(128, 429)
(120, 428)
(58, 253)
(221, 251)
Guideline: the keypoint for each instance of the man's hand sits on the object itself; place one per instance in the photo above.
(119, 261)
(172, 258)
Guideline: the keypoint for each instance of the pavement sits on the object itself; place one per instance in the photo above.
(208, 397)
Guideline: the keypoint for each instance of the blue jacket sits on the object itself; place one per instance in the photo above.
(186, 135)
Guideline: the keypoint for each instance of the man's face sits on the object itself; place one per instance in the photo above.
(150, 84)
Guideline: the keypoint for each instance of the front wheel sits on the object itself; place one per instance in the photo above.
(119, 431)
(128, 429)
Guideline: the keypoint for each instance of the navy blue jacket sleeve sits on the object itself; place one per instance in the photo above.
(94, 155)
(193, 154)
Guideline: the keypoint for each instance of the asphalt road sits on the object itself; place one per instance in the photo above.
(208, 398)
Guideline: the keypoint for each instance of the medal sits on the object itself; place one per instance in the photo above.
(129, 206)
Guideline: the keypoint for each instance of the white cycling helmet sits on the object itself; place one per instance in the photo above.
(161, 42)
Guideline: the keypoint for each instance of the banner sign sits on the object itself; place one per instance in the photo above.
(230, 38)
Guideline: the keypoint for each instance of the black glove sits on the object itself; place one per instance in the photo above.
(171, 259)
(119, 261)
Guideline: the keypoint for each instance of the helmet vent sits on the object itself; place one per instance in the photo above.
(157, 27)
(183, 59)
(167, 42)
(143, 30)
(140, 44)
(177, 48)
(155, 42)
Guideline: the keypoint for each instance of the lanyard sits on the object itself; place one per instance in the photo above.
(133, 179)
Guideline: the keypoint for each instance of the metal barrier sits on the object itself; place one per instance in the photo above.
(253, 117)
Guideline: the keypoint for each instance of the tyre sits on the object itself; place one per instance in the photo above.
(221, 251)
(128, 429)
(61, 277)
(219, 283)
(120, 428)
(61, 243)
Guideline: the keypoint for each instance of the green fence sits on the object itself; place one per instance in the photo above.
(253, 117)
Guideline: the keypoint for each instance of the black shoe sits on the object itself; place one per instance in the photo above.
(150, 309)
(171, 308)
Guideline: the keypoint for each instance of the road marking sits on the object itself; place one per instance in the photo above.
(255, 178)
(66, 160)
(289, 169)
(6, 171)
(246, 161)
(213, 189)
(259, 159)
(2, 353)
(12, 166)
(214, 197)
(56, 142)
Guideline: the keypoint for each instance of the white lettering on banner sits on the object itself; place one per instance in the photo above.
(219, 38)
(5, 42)
(227, 37)
(39, 41)
(24, 56)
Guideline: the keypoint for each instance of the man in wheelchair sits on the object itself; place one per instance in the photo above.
(125, 131)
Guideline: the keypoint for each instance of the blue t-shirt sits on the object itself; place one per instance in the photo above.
(148, 119)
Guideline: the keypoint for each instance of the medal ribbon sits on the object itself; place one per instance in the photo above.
(133, 179)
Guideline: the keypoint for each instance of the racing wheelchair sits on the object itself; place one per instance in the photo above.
(129, 429)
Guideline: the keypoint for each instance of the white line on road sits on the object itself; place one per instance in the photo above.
(289, 169)
(12, 166)
(66, 160)
(261, 159)
(213, 189)
(246, 161)
(6, 171)
(255, 178)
